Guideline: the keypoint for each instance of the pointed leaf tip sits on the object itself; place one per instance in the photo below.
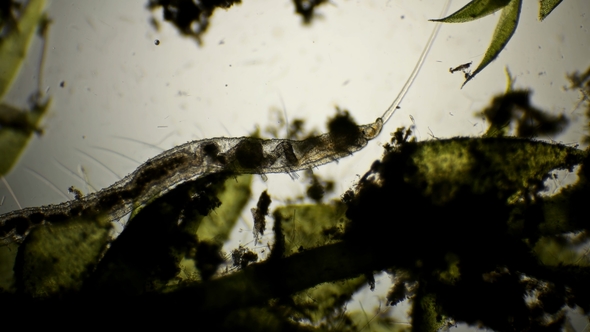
(546, 7)
(474, 10)
(504, 31)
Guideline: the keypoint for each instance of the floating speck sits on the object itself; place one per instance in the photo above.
(62, 84)
(157, 42)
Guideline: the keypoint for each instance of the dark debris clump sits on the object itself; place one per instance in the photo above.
(190, 17)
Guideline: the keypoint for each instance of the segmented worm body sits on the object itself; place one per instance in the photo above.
(159, 175)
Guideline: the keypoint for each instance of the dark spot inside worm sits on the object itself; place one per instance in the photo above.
(211, 150)
(289, 154)
(344, 131)
(222, 160)
(249, 153)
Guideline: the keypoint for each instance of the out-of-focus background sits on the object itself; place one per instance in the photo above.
(123, 91)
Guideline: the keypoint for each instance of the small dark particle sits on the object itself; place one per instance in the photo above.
(462, 68)
(315, 191)
(157, 42)
(403, 16)
(62, 84)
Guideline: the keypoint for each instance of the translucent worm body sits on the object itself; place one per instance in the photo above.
(159, 175)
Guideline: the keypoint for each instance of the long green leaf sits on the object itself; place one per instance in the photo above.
(504, 31)
(474, 10)
(13, 48)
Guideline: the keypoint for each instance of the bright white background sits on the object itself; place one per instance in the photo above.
(126, 99)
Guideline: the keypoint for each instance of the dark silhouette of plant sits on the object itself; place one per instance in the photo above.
(463, 225)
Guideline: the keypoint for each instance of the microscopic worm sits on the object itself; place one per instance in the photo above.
(192, 160)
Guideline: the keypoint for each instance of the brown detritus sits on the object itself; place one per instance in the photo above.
(318, 187)
(259, 214)
(190, 18)
(76, 192)
(515, 106)
(242, 257)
